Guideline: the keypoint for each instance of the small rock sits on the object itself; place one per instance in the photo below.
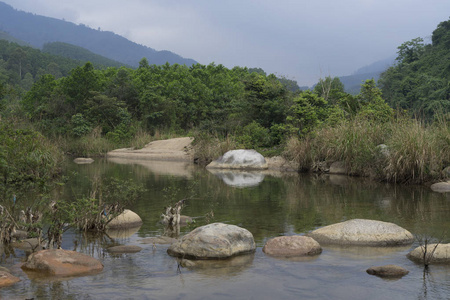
(338, 167)
(363, 232)
(441, 187)
(388, 271)
(6, 279)
(27, 244)
(126, 219)
(289, 246)
(19, 234)
(161, 240)
(61, 262)
(435, 254)
(213, 241)
(124, 249)
(82, 160)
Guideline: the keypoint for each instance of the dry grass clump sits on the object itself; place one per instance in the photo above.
(415, 153)
(208, 147)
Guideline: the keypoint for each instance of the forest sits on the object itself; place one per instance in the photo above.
(88, 108)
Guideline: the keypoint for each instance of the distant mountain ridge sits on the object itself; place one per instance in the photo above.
(39, 30)
(352, 83)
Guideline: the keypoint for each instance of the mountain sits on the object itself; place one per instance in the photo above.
(80, 54)
(39, 30)
(352, 83)
(9, 38)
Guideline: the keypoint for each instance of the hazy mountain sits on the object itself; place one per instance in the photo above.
(352, 83)
(10, 38)
(39, 30)
(79, 53)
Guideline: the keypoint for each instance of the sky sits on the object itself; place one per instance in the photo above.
(303, 40)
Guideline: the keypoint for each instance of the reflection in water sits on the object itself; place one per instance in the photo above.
(274, 206)
(239, 178)
(220, 267)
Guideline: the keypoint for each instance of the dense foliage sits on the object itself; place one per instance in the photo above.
(420, 81)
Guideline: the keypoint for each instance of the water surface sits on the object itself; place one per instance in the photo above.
(270, 205)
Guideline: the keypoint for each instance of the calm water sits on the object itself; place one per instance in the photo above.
(266, 205)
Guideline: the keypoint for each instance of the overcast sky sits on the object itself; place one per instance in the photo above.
(300, 39)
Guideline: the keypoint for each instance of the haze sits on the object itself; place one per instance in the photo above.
(301, 40)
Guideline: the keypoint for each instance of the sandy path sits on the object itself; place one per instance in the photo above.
(177, 149)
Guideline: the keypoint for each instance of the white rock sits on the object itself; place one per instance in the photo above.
(240, 159)
(363, 232)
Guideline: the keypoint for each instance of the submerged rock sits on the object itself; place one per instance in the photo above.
(213, 241)
(158, 240)
(441, 187)
(388, 271)
(6, 279)
(290, 246)
(124, 249)
(435, 254)
(363, 232)
(61, 262)
(126, 219)
(240, 159)
(83, 160)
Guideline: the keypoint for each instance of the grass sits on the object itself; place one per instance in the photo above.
(416, 152)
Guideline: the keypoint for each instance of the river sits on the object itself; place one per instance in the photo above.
(268, 205)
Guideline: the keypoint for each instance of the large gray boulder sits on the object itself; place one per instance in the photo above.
(291, 246)
(127, 219)
(441, 187)
(432, 254)
(213, 241)
(338, 167)
(240, 159)
(363, 232)
(59, 262)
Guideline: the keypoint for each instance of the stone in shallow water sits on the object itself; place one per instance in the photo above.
(238, 178)
(240, 159)
(124, 249)
(61, 262)
(435, 254)
(441, 187)
(363, 232)
(388, 271)
(213, 241)
(290, 246)
(6, 279)
(161, 240)
(83, 160)
(126, 219)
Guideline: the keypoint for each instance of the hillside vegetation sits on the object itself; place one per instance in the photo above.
(88, 111)
(420, 81)
(39, 30)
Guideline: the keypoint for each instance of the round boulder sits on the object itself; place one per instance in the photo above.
(363, 232)
(59, 262)
(6, 279)
(213, 241)
(388, 271)
(441, 187)
(240, 159)
(290, 246)
(126, 219)
(435, 254)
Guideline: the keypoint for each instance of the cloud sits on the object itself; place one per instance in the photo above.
(299, 39)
